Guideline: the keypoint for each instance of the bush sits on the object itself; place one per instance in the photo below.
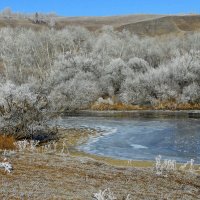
(21, 110)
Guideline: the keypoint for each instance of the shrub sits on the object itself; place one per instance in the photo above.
(21, 110)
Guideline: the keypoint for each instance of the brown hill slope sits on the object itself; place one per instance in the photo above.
(164, 25)
(139, 24)
(25, 23)
(96, 23)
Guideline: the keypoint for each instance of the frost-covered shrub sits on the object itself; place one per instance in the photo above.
(106, 194)
(169, 81)
(138, 65)
(191, 93)
(21, 110)
(133, 92)
(165, 92)
(63, 70)
(76, 93)
(25, 53)
(114, 74)
(108, 44)
(73, 39)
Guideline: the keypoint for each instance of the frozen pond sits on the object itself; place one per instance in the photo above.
(141, 138)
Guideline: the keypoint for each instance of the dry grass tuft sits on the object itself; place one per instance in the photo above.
(7, 142)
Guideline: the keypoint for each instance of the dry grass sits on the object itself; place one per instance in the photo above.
(7, 142)
(116, 106)
(160, 105)
(173, 105)
(51, 176)
(115, 162)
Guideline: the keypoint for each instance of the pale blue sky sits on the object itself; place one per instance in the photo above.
(103, 7)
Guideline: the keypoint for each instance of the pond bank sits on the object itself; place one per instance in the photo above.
(75, 137)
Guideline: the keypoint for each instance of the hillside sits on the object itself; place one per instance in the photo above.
(139, 24)
(164, 25)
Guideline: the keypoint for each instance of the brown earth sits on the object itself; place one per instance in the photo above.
(165, 25)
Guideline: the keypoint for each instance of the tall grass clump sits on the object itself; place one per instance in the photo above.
(7, 142)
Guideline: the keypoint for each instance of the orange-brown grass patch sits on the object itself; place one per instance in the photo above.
(7, 142)
(117, 106)
(161, 105)
(173, 105)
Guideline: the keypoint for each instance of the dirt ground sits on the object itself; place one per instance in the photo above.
(56, 175)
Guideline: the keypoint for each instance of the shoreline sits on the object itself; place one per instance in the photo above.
(140, 111)
(114, 161)
(81, 136)
(136, 113)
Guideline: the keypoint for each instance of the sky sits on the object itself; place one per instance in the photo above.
(103, 7)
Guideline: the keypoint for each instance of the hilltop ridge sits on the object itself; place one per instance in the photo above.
(151, 25)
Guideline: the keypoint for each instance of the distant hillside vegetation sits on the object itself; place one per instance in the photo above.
(150, 25)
